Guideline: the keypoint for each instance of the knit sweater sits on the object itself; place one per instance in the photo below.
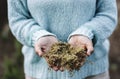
(31, 19)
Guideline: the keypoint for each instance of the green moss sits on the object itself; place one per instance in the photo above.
(64, 55)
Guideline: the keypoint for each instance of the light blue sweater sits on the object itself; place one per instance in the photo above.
(31, 19)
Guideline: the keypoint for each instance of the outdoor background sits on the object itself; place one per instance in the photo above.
(11, 58)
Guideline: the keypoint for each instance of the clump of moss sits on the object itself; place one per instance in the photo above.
(65, 56)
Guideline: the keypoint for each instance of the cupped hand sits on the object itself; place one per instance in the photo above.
(43, 45)
(83, 42)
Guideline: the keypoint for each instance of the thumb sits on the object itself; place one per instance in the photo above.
(89, 49)
(38, 50)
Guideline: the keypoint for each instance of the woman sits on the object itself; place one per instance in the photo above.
(37, 24)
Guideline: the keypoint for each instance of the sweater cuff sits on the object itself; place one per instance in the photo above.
(82, 31)
(38, 34)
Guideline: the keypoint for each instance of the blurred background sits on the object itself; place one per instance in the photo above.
(11, 58)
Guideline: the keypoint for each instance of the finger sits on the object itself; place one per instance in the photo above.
(89, 49)
(55, 68)
(46, 49)
(43, 49)
(61, 69)
(38, 50)
(83, 46)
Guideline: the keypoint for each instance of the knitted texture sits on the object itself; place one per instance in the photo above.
(31, 19)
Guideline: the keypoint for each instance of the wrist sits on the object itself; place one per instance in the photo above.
(79, 35)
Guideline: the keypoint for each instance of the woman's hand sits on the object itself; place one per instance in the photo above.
(83, 42)
(43, 45)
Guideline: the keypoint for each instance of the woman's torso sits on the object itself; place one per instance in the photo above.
(61, 17)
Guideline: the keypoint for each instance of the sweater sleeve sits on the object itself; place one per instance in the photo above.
(102, 24)
(22, 25)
